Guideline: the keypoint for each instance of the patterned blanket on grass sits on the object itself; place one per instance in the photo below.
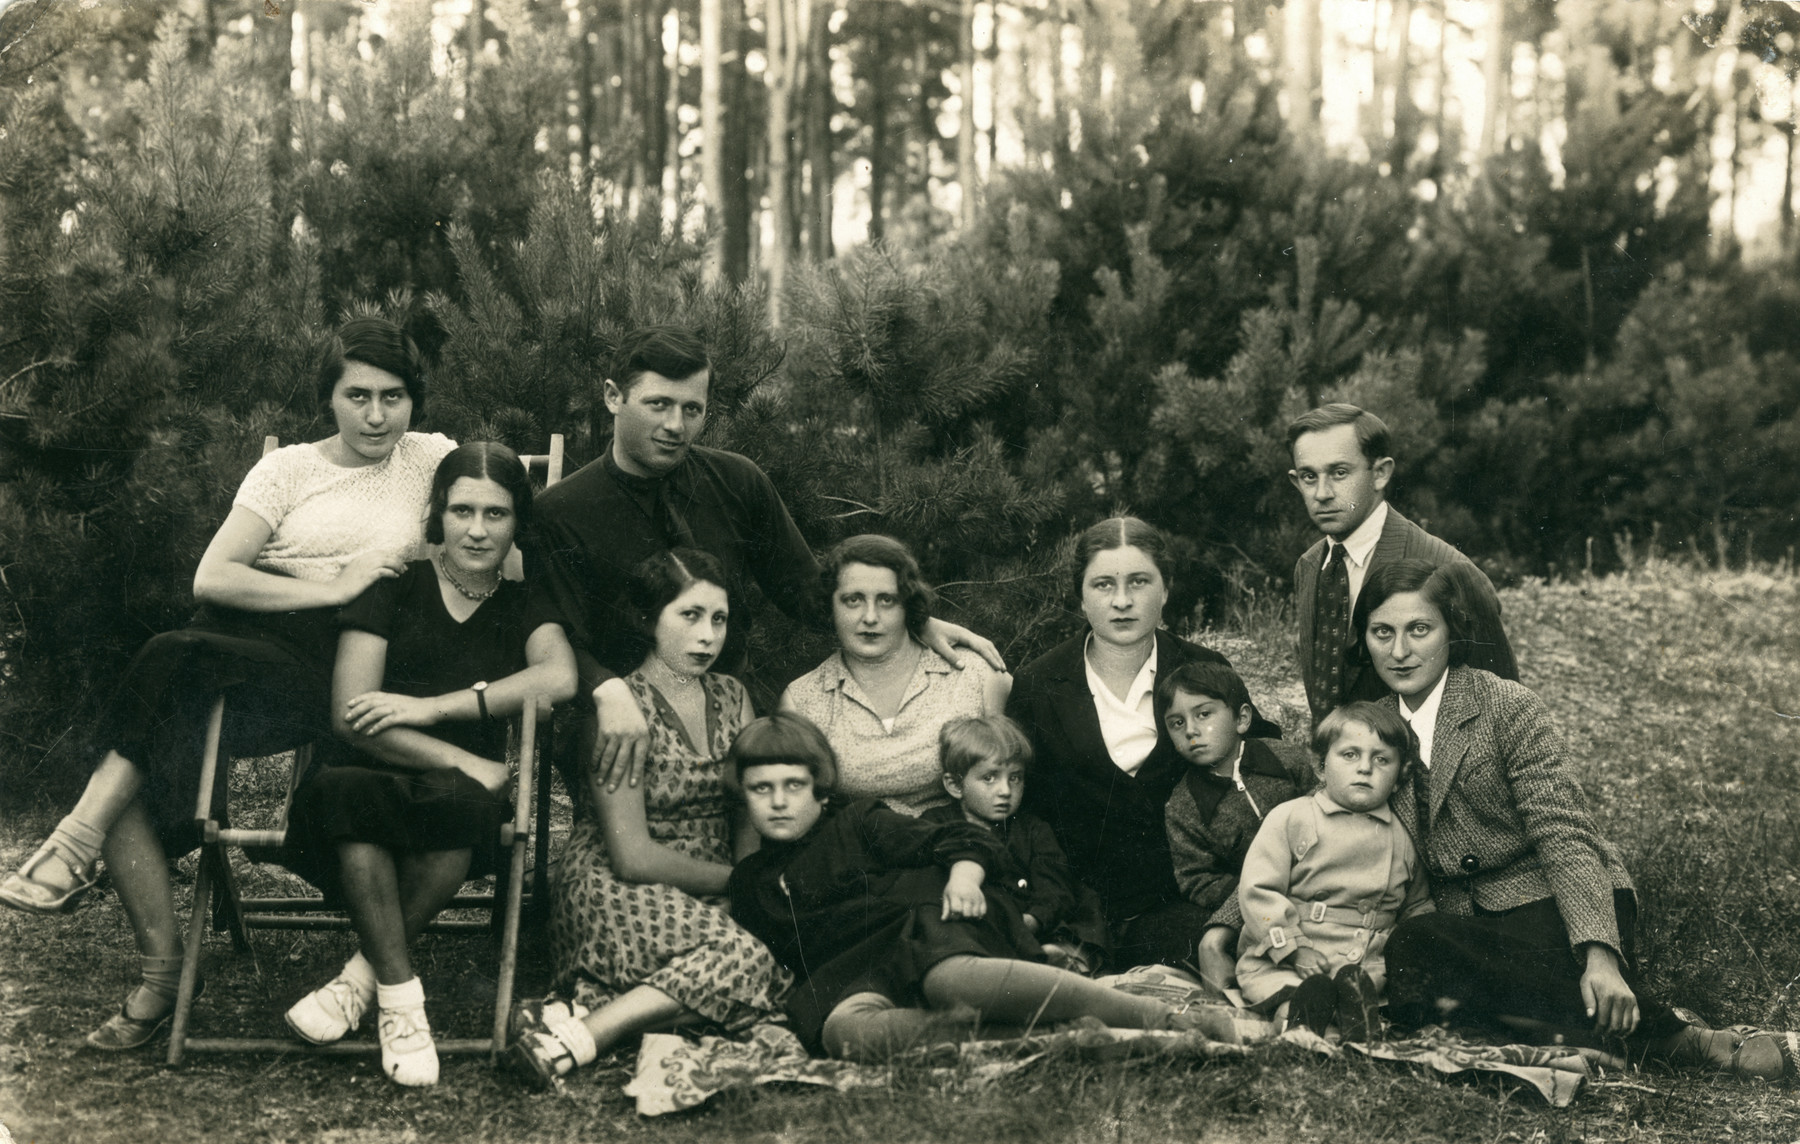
(674, 1073)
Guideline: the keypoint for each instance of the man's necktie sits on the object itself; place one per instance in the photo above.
(670, 519)
(1331, 630)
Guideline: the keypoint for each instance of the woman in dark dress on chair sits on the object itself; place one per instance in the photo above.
(1105, 766)
(427, 666)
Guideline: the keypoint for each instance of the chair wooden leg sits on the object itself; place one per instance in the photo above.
(509, 948)
(540, 873)
(190, 961)
(228, 903)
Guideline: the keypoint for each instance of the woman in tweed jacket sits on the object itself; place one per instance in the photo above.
(1535, 908)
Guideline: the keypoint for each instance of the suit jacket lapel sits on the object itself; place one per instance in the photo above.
(1450, 742)
(1306, 586)
(1074, 703)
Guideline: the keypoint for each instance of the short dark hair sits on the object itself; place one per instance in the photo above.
(483, 460)
(879, 551)
(1385, 721)
(660, 578)
(377, 342)
(1214, 680)
(1371, 431)
(965, 742)
(1441, 589)
(676, 352)
(1124, 532)
(782, 739)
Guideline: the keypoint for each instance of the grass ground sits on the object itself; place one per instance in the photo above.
(1680, 696)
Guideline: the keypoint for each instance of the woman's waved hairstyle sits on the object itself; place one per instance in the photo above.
(879, 551)
(782, 739)
(1124, 532)
(660, 579)
(1383, 720)
(380, 343)
(483, 460)
(970, 740)
(1435, 582)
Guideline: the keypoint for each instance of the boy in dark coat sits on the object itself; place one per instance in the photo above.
(985, 759)
(1231, 784)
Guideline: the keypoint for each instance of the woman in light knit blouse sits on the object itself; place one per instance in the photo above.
(312, 526)
(882, 697)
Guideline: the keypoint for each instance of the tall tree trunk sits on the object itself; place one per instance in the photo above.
(924, 124)
(1406, 114)
(1303, 67)
(279, 68)
(671, 151)
(992, 53)
(712, 135)
(1437, 95)
(818, 137)
(1787, 174)
(582, 25)
(736, 201)
(631, 97)
(474, 40)
(965, 132)
(1496, 74)
(880, 161)
(786, 28)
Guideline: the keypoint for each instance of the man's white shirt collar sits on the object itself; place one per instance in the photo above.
(1359, 546)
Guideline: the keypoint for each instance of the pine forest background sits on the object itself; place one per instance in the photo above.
(1525, 231)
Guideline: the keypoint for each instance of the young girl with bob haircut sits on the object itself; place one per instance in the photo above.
(880, 915)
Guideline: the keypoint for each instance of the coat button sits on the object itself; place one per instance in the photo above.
(1470, 864)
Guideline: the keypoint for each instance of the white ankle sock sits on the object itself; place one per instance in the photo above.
(358, 972)
(573, 1034)
(409, 994)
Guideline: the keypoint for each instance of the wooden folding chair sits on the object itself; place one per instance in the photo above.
(216, 893)
(216, 890)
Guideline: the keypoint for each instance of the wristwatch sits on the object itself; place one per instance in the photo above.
(480, 690)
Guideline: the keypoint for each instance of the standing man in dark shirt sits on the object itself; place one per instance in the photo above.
(654, 489)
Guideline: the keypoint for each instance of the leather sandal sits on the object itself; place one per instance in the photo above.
(122, 1032)
(23, 892)
(540, 1058)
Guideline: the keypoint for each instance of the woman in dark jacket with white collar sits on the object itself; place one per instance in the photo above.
(1105, 767)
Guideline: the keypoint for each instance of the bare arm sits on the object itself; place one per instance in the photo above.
(636, 857)
(361, 662)
(995, 692)
(226, 576)
(549, 674)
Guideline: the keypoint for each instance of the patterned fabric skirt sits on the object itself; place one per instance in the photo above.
(608, 936)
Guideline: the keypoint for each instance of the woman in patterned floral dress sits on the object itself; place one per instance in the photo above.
(639, 933)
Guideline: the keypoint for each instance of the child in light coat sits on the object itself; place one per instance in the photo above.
(1328, 877)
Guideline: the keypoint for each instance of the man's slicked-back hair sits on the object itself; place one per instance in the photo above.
(1371, 431)
(674, 351)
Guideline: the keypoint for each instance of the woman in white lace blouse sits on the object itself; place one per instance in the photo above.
(311, 527)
